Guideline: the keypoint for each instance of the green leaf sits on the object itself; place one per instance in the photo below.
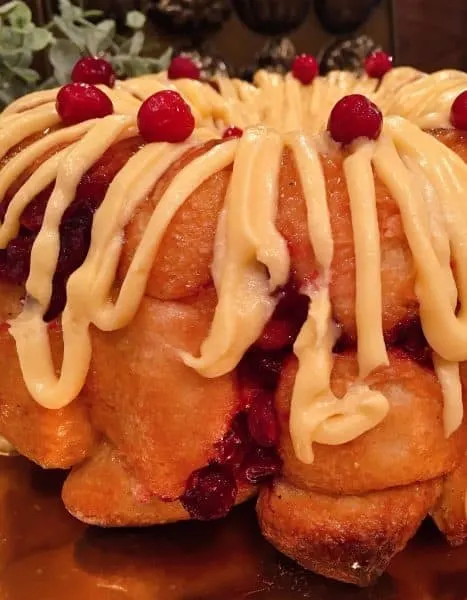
(135, 19)
(38, 39)
(20, 15)
(136, 43)
(5, 8)
(92, 14)
(27, 75)
(63, 55)
(73, 33)
(21, 60)
(99, 38)
(69, 11)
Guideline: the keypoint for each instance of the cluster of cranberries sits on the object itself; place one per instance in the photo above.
(163, 117)
(248, 452)
(75, 229)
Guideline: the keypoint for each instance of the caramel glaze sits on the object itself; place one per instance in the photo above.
(46, 554)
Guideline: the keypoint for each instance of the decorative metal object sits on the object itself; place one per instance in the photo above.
(343, 16)
(347, 54)
(209, 63)
(190, 16)
(272, 17)
(277, 55)
(241, 36)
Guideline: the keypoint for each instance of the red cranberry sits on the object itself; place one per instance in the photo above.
(77, 102)
(33, 214)
(261, 464)
(96, 181)
(232, 132)
(285, 324)
(305, 68)
(210, 493)
(378, 64)
(17, 259)
(165, 117)
(262, 421)
(93, 70)
(58, 299)
(249, 391)
(355, 116)
(459, 111)
(410, 338)
(75, 238)
(233, 447)
(277, 334)
(260, 369)
(183, 67)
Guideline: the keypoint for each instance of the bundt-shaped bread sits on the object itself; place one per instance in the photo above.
(184, 324)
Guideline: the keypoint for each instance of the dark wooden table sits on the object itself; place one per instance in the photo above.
(431, 34)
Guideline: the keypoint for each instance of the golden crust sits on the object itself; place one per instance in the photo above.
(450, 512)
(399, 303)
(349, 538)
(162, 416)
(409, 445)
(52, 438)
(182, 265)
(102, 492)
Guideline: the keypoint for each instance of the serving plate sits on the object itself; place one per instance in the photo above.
(45, 554)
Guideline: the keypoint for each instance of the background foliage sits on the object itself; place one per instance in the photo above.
(71, 33)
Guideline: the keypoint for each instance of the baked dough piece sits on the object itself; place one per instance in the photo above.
(350, 538)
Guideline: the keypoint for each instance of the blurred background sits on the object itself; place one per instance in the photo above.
(233, 36)
(428, 34)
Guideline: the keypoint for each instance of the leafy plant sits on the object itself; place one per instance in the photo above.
(20, 39)
(72, 33)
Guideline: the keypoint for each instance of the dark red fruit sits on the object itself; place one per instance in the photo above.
(58, 299)
(260, 465)
(353, 117)
(305, 68)
(33, 214)
(285, 324)
(259, 369)
(262, 421)
(277, 334)
(249, 391)
(378, 64)
(410, 338)
(165, 117)
(96, 181)
(17, 259)
(232, 132)
(77, 102)
(183, 67)
(210, 493)
(234, 446)
(459, 111)
(75, 238)
(91, 69)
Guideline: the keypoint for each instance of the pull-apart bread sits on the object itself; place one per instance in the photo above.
(216, 290)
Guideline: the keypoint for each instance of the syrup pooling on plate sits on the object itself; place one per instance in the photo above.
(250, 257)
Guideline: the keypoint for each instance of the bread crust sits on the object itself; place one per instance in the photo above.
(409, 445)
(349, 538)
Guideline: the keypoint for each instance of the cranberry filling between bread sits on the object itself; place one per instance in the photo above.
(248, 452)
(75, 229)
